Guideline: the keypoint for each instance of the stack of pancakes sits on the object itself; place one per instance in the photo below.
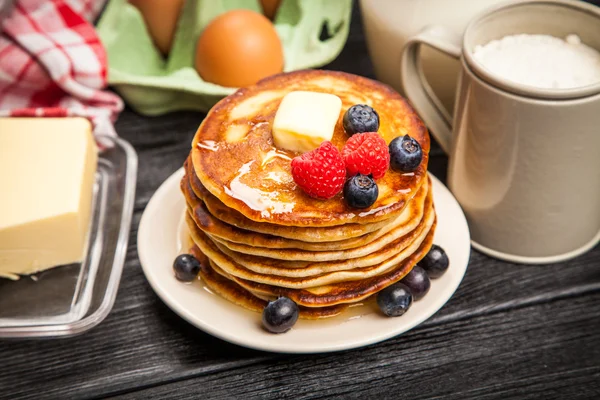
(259, 236)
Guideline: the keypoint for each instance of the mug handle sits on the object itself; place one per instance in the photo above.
(416, 87)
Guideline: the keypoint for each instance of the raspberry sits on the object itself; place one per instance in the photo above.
(366, 153)
(320, 172)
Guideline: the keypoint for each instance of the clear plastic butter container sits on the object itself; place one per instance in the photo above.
(71, 299)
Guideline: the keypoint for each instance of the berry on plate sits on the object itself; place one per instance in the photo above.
(280, 315)
(361, 191)
(394, 300)
(405, 154)
(366, 154)
(360, 118)
(417, 281)
(321, 172)
(186, 267)
(436, 262)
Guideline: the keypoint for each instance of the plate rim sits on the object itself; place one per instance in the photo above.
(192, 318)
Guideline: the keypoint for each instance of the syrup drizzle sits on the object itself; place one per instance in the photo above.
(374, 210)
(272, 154)
(258, 200)
(209, 145)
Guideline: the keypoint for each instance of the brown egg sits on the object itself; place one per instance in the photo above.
(160, 17)
(238, 48)
(270, 7)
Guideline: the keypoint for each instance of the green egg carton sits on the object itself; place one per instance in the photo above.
(153, 85)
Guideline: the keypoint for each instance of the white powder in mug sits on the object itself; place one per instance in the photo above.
(542, 61)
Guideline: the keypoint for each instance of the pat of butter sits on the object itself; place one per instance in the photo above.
(304, 120)
(47, 174)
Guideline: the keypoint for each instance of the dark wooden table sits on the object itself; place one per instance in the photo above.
(510, 331)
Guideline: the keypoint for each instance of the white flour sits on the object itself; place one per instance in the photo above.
(542, 61)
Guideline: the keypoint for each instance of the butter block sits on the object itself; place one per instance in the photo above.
(304, 120)
(47, 175)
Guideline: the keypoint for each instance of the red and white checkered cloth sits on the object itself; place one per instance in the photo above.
(52, 63)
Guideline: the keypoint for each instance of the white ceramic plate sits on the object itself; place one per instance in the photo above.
(161, 236)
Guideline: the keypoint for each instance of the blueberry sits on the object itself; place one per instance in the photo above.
(405, 154)
(361, 118)
(394, 300)
(417, 282)
(280, 315)
(186, 267)
(436, 262)
(361, 191)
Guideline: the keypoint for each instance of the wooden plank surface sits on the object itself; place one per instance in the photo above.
(511, 354)
(510, 331)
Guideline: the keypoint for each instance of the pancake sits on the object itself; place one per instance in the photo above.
(234, 158)
(343, 292)
(230, 234)
(259, 236)
(308, 234)
(315, 274)
(339, 264)
(233, 292)
(419, 206)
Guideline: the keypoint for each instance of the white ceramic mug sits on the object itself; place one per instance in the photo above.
(388, 24)
(524, 161)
